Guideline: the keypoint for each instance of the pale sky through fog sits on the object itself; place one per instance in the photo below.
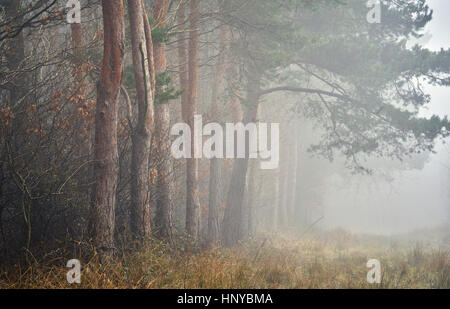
(439, 28)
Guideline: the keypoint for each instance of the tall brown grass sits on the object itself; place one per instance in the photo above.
(335, 259)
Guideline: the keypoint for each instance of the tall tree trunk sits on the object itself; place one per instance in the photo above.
(251, 183)
(164, 202)
(232, 221)
(214, 168)
(78, 73)
(84, 135)
(105, 147)
(282, 189)
(214, 202)
(237, 116)
(276, 197)
(17, 85)
(299, 211)
(192, 199)
(149, 42)
(292, 176)
(182, 59)
(15, 57)
(237, 113)
(77, 45)
(141, 138)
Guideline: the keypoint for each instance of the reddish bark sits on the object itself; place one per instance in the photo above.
(77, 45)
(189, 81)
(192, 200)
(150, 49)
(182, 59)
(163, 218)
(105, 147)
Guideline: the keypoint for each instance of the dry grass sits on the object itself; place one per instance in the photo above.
(335, 259)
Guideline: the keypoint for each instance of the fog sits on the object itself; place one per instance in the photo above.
(398, 197)
(414, 199)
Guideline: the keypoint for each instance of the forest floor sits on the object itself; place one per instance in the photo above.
(333, 259)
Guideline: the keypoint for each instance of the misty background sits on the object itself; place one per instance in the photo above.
(399, 200)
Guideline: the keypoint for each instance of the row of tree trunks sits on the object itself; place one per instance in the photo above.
(164, 189)
(145, 71)
(105, 147)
